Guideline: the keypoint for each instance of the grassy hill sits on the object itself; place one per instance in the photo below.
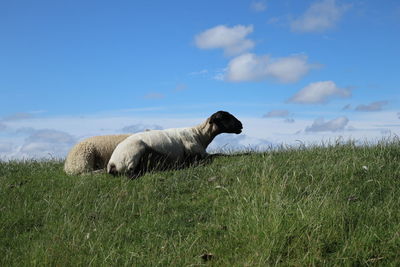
(335, 205)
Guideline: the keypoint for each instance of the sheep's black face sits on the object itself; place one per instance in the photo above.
(226, 122)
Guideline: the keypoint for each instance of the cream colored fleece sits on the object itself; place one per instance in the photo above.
(92, 154)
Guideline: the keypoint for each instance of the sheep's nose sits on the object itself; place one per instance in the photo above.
(112, 170)
(239, 127)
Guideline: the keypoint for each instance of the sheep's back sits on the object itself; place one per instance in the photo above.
(172, 142)
(105, 145)
(92, 153)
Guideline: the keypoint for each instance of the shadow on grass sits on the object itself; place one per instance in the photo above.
(155, 162)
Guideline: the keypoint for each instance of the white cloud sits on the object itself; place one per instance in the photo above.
(289, 69)
(219, 76)
(140, 127)
(38, 149)
(319, 125)
(28, 139)
(319, 92)
(250, 67)
(231, 142)
(41, 143)
(320, 16)
(374, 106)
(258, 6)
(279, 113)
(232, 40)
(50, 136)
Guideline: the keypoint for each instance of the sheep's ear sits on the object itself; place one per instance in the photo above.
(216, 117)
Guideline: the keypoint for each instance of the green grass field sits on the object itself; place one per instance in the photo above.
(332, 205)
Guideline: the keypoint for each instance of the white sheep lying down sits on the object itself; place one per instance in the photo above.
(158, 149)
(92, 154)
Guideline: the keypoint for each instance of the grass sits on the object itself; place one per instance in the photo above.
(332, 205)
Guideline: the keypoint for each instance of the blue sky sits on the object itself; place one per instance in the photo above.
(290, 70)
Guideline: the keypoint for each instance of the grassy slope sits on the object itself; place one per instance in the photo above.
(293, 207)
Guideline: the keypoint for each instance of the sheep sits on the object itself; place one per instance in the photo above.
(92, 154)
(158, 149)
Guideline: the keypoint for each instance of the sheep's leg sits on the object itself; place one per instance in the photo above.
(150, 160)
(133, 174)
(153, 160)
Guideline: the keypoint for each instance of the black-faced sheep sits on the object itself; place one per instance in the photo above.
(160, 148)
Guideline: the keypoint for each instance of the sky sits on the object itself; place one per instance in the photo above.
(294, 72)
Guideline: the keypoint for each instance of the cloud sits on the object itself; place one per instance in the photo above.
(5, 147)
(44, 143)
(277, 114)
(18, 116)
(37, 149)
(232, 40)
(25, 130)
(258, 131)
(319, 92)
(398, 115)
(374, 106)
(154, 96)
(250, 67)
(230, 142)
(320, 16)
(136, 128)
(347, 107)
(2, 127)
(50, 136)
(219, 76)
(258, 6)
(319, 125)
(386, 132)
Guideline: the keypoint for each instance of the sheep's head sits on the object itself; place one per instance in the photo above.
(226, 122)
